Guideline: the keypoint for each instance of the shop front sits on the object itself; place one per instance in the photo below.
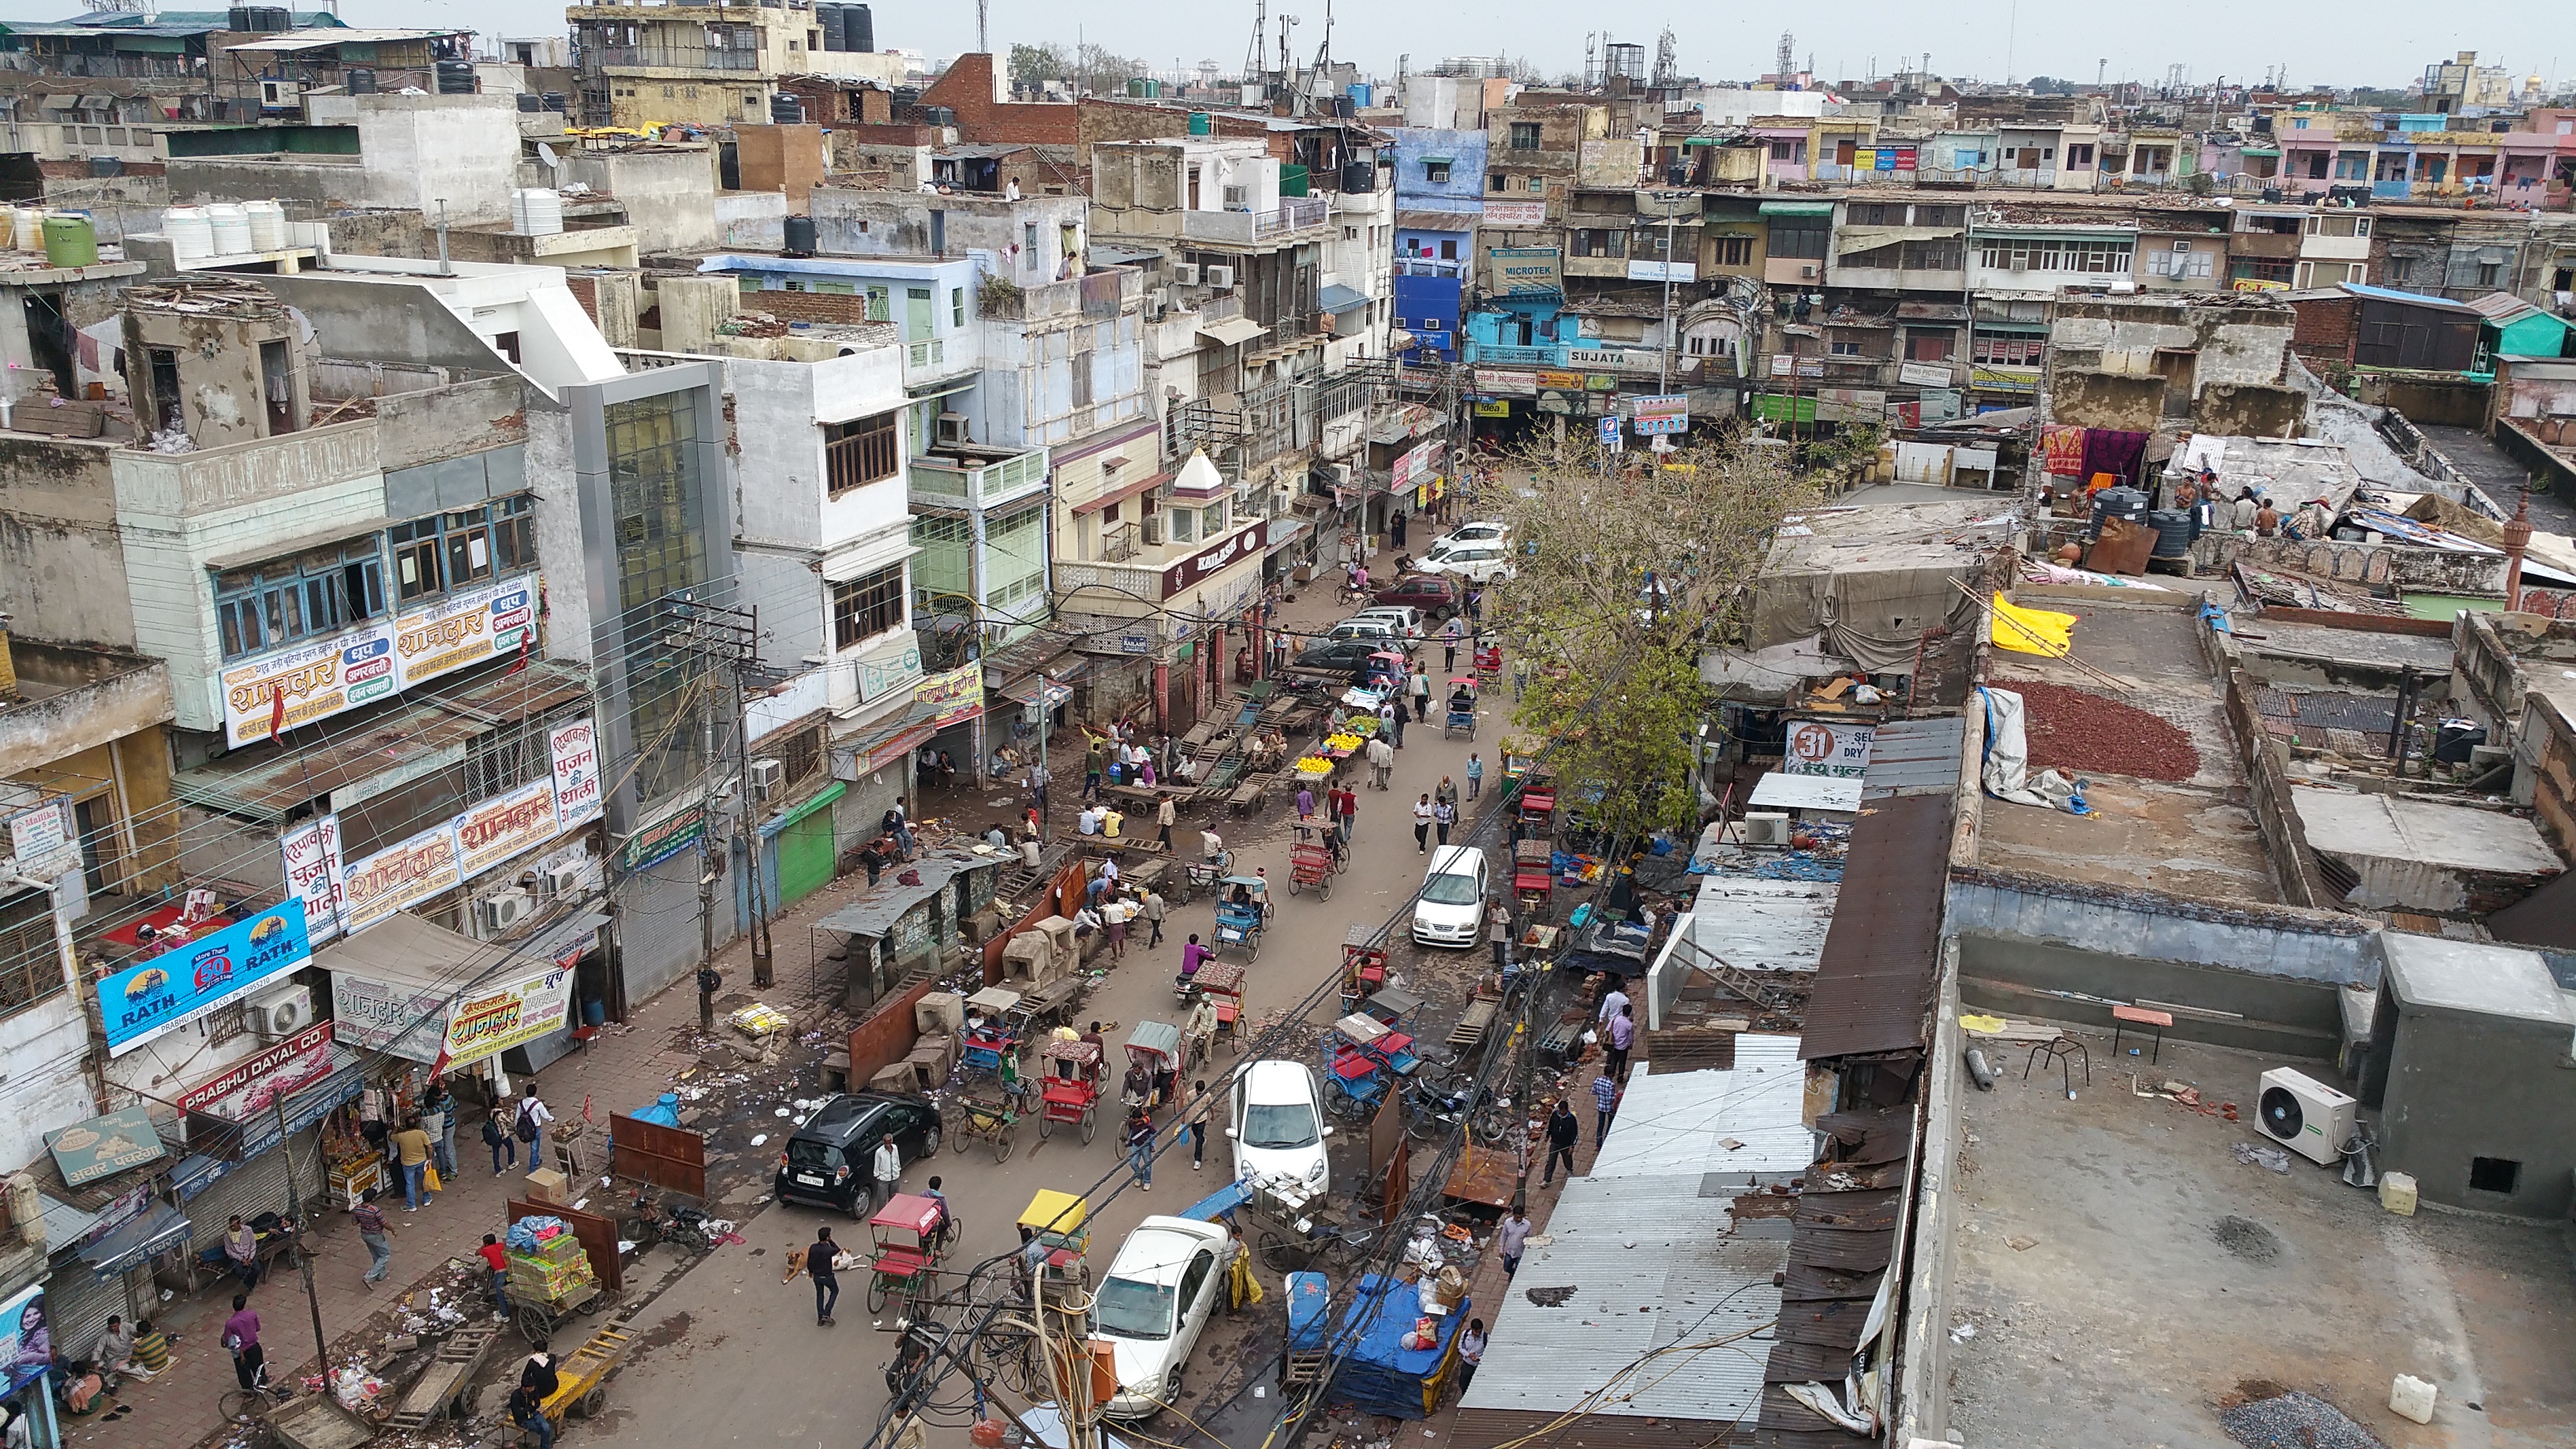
(287, 1096)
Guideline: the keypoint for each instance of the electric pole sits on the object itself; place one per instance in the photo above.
(726, 643)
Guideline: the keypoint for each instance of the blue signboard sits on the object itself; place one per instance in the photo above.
(194, 977)
(1609, 432)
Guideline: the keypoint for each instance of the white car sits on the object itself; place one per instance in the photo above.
(1451, 909)
(1485, 530)
(1477, 563)
(1388, 630)
(1154, 1302)
(1407, 619)
(1279, 1126)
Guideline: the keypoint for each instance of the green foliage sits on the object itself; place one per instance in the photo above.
(1032, 65)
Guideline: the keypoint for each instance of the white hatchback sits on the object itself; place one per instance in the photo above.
(1451, 909)
(1153, 1304)
(1477, 563)
(1278, 1126)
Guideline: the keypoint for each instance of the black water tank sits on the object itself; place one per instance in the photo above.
(1359, 176)
(555, 102)
(362, 81)
(786, 111)
(107, 166)
(827, 19)
(800, 236)
(938, 116)
(529, 101)
(2173, 531)
(456, 78)
(1344, 107)
(2455, 738)
(858, 28)
(2122, 502)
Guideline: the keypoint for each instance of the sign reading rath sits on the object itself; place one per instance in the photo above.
(398, 876)
(574, 750)
(194, 977)
(313, 869)
(1820, 747)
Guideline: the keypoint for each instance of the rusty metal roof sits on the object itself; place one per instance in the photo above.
(1873, 984)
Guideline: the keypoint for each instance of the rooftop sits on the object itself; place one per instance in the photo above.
(2122, 1270)
(2474, 977)
(2426, 832)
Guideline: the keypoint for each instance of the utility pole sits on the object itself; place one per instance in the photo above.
(761, 973)
(303, 1255)
(706, 858)
(1664, 363)
(726, 643)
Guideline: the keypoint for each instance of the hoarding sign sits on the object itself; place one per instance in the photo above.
(319, 678)
(44, 840)
(1524, 271)
(194, 977)
(400, 876)
(464, 629)
(104, 1146)
(499, 828)
(1820, 747)
(574, 750)
(311, 852)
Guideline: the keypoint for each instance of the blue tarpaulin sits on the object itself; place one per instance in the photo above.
(1377, 1373)
(1308, 1299)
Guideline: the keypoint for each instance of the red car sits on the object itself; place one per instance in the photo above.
(1434, 594)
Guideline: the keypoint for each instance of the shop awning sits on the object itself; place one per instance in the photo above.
(406, 978)
(163, 1228)
(63, 1222)
(877, 915)
(802, 808)
(1232, 330)
(1797, 208)
(1337, 298)
(1931, 312)
(568, 937)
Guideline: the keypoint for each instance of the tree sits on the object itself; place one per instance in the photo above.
(1622, 578)
(1102, 70)
(1033, 65)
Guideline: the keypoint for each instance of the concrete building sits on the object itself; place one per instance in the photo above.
(406, 152)
(706, 65)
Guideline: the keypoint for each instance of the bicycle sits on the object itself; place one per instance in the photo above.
(250, 1406)
(1325, 1244)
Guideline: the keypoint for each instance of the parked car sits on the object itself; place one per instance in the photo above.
(1279, 1126)
(1152, 1305)
(1451, 909)
(1483, 530)
(1477, 563)
(1403, 615)
(825, 1161)
(1436, 596)
(1387, 632)
(1349, 656)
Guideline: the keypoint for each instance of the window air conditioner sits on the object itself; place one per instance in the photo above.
(766, 777)
(282, 1014)
(561, 880)
(281, 93)
(1234, 198)
(1220, 276)
(1150, 529)
(505, 910)
(1185, 273)
(952, 427)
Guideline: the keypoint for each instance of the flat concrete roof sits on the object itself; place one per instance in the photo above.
(2426, 832)
(2473, 976)
(1846, 538)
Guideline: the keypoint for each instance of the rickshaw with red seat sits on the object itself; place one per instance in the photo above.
(1221, 982)
(1069, 1092)
(910, 1241)
(1363, 965)
(1489, 662)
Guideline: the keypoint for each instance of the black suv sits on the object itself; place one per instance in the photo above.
(826, 1161)
(1346, 655)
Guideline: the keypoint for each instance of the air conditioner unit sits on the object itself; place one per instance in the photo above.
(561, 880)
(505, 910)
(1185, 273)
(2019, 263)
(952, 427)
(1807, 273)
(2304, 1114)
(1151, 529)
(283, 1014)
(1342, 475)
(1234, 197)
(281, 93)
(1220, 276)
(766, 777)
(1766, 827)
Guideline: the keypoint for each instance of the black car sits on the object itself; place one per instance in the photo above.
(826, 1161)
(1348, 656)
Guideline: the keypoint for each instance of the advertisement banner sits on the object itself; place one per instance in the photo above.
(465, 628)
(1515, 214)
(574, 749)
(375, 1017)
(1819, 747)
(313, 868)
(44, 840)
(1498, 408)
(26, 1344)
(657, 842)
(1501, 382)
(104, 1146)
(501, 827)
(194, 977)
(956, 695)
(1923, 374)
(1667, 414)
(1523, 271)
(399, 875)
(319, 677)
(286, 1060)
(1400, 474)
(489, 1020)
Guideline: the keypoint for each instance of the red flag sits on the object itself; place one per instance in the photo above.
(527, 636)
(277, 712)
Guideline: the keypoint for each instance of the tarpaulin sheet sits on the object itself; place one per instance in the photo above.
(2006, 770)
(1873, 617)
(1377, 1373)
(2044, 632)
(1308, 1299)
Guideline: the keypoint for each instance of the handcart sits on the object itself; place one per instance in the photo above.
(909, 1244)
(1242, 908)
(1311, 865)
(582, 1388)
(1157, 1047)
(1070, 1090)
(1309, 1327)
(446, 1389)
(987, 1115)
(316, 1421)
(992, 1031)
(1462, 708)
(1532, 879)
(1363, 964)
(538, 1316)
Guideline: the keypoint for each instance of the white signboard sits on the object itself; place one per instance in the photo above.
(574, 748)
(1821, 747)
(44, 840)
(1522, 214)
(313, 866)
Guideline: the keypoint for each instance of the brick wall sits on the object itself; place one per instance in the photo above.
(2324, 329)
(808, 306)
(585, 290)
(967, 89)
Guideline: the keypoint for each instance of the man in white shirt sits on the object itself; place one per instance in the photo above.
(885, 1171)
(1088, 822)
(1611, 1000)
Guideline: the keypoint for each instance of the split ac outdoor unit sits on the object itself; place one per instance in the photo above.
(505, 910)
(1807, 273)
(1150, 529)
(279, 1016)
(1766, 827)
(562, 880)
(765, 777)
(1186, 273)
(2304, 1115)
(1220, 276)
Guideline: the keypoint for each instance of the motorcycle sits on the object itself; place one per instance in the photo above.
(676, 1223)
(1440, 1108)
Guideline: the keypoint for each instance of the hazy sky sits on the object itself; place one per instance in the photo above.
(2365, 42)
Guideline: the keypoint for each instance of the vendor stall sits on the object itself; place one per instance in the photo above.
(1381, 1370)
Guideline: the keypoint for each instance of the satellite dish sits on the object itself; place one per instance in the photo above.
(546, 154)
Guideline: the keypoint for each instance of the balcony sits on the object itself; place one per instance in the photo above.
(963, 477)
(933, 360)
(666, 57)
(1247, 228)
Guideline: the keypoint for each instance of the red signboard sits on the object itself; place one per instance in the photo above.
(1245, 544)
(316, 1038)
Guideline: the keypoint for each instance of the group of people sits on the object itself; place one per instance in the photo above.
(1112, 906)
(85, 1386)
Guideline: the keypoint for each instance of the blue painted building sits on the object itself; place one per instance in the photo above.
(1439, 198)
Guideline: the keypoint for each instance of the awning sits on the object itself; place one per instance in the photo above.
(1797, 208)
(1931, 312)
(1232, 330)
(162, 1228)
(1123, 492)
(1439, 160)
(62, 103)
(420, 990)
(1780, 791)
(65, 1224)
(98, 103)
(1870, 238)
(1337, 298)
(803, 808)
(565, 938)
(873, 747)
(289, 547)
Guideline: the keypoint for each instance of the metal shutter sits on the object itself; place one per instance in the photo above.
(805, 859)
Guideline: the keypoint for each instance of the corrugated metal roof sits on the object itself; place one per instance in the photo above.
(1780, 790)
(1753, 924)
(1873, 984)
(1677, 1124)
(1913, 756)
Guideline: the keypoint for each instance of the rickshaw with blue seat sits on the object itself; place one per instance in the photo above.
(1242, 910)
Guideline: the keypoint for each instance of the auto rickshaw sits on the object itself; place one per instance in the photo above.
(1242, 909)
(1057, 1226)
(1070, 1090)
(1157, 1047)
(909, 1244)
(1462, 708)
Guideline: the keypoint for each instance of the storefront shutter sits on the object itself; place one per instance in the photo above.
(805, 857)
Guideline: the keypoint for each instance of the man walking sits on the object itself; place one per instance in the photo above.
(1605, 1105)
(1140, 1147)
(241, 1335)
(1381, 758)
(1475, 773)
(372, 1230)
(533, 1118)
(1623, 1035)
(497, 1135)
(1347, 812)
(413, 1146)
(1153, 909)
(1422, 825)
(1164, 815)
(827, 1280)
(1091, 768)
(1194, 1122)
(1421, 696)
(885, 1171)
(1450, 634)
(1512, 1237)
(1443, 815)
(1039, 778)
(1562, 1133)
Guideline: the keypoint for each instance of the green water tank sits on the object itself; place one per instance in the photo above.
(1202, 124)
(70, 241)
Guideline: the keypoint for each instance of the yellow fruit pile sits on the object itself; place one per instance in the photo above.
(1343, 741)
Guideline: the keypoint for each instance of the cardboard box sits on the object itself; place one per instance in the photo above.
(549, 1186)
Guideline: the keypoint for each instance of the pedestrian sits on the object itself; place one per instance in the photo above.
(1390, 723)
(1395, 530)
(241, 1249)
(1194, 1122)
(1475, 773)
(1115, 915)
(1421, 697)
(1381, 758)
(496, 1261)
(411, 1146)
(1562, 1133)
(827, 1279)
(1623, 1035)
(372, 1230)
(1039, 778)
(1450, 634)
(1613, 996)
(1443, 815)
(533, 1118)
(1471, 1352)
(899, 825)
(1092, 764)
(1512, 1237)
(1500, 918)
(241, 1335)
(1446, 792)
(1399, 724)
(1153, 911)
(1605, 1105)
(496, 1135)
(1140, 1148)
(1305, 804)
(1349, 812)
(1164, 815)
(1422, 826)
(885, 1170)
(438, 1119)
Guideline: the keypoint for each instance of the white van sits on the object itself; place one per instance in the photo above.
(1451, 909)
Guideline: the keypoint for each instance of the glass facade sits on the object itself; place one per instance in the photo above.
(656, 499)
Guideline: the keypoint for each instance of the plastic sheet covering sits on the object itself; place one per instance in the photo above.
(1378, 1375)
(2033, 631)
(2006, 772)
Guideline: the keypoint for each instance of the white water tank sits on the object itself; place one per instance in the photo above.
(191, 236)
(231, 227)
(267, 225)
(536, 211)
(28, 224)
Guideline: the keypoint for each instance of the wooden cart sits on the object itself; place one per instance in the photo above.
(445, 1389)
(581, 1390)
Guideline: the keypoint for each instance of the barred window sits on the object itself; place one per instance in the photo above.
(31, 964)
(862, 452)
(864, 607)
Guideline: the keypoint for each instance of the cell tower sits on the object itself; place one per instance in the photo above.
(1666, 69)
(1253, 63)
(1786, 63)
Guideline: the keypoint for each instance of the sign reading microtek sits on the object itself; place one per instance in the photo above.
(194, 977)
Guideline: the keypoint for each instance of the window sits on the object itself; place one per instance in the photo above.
(451, 550)
(1926, 345)
(860, 453)
(31, 962)
(1435, 172)
(227, 1023)
(1498, 182)
(507, 344)
(1537, 185)
(864, 607)
(468, 536)
(1941, 254)
(1732, 251)
(957, 306)
(1524, 135)
(416, 566)
(1877, 213)
(2181, 262)
(1801, 236)
(1784, 150)
(1082, 378)
(2488, 272)
(2007, 349)
(2494, 1174)
(2402, 269)
(1844, 347)
(1448, 250)
(1940, 215)
(1212, 519)
(1600, 242)
(313, 593)
(2262, 269)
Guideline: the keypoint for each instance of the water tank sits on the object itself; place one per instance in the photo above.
(555, 102)
(2173, 531)
(231, 227)
(28, 226)
(858, 28)
(456, 78)
(535, 211)
(1345, 107)
(107, 166)
(2455, 738)
(1202, 124)
(267, 225)
(939, 116)
(70, 241)
(786, 111)
(528, 102)
(1359, 176)
(827, 18)
(800, 237)
(2121, 502)
(362, 80)
(190, 236)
